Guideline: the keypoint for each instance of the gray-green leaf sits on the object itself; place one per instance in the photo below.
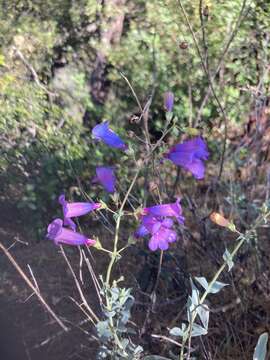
(228, 258)
(261, 347)
(215, 288)
(198, 330)
(203, 312)
(176, 331)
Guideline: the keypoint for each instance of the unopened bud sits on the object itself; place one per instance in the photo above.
(219, 219)
(168, 101)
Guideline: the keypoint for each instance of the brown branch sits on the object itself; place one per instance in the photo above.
(32, 71)
(221, 59)
(211, 86)
(32, 287)
(91, 316)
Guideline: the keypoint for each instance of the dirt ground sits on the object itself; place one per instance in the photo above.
(238, 315)
(27, 332)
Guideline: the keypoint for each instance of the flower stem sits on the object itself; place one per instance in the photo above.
(242, 238)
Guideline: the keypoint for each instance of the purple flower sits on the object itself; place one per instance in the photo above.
(168, 101)
(105, 176)
(59, 234)
(160, 230)
(189, 155)
(162, 238)
(171, 210)
(74, 209)
(102, 132)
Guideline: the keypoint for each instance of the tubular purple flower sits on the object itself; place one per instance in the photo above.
(171, 210)
(74, 209)
(105, 176)
(160, 230)
(162, 238)
(59, 234)
(102, 132)
(168, 101)
(189, 155)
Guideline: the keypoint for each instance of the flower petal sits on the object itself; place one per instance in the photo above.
(59, 234)
(173, 209)
(153, 244)
(102, 132)
(197, 168)
(105, 176)
(189, 155)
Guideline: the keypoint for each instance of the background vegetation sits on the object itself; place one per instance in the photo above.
(65, 66)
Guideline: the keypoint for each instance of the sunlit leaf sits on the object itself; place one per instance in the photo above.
(261, 347)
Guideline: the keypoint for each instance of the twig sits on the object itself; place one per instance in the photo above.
(32, 71)
(85, 303)
(166, 339)
(211, 86)
(60, 333)
(93, 276)
(152, 296)
(221, 59)
(32, 287)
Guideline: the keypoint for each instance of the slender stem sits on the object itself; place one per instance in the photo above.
(159, 271)
(92, 316)
(32, 287)
(116, 238)
(211, 87)
(242, 238)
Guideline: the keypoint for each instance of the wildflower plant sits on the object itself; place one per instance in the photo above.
(162, 222)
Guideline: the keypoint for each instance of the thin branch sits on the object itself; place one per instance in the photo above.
(32, 287)
(210, 84)
(85, 303)
(221, 59)
(32, 71)
(166, 339)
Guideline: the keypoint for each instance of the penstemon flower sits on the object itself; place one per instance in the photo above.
(189, 155)
(74, 209)
(59, 234)
(102, 132)
(159, 229)
(171, 210)
(105, 176)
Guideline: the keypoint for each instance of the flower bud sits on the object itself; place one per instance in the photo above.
(219, 219)
(168, 101)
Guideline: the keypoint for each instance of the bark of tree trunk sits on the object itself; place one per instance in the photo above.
(111, 31)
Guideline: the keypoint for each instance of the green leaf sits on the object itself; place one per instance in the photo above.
(261, 347)
(176, 331)
(202, 281)
(228, 258)
(104, 331)
(203, 312)
(198, 330)
(215, 288)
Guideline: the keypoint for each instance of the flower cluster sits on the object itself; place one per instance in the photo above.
(64, 231)
(156, 221)
(189, 155)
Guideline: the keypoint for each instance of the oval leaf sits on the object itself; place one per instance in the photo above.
(260, 349)
(176, 331)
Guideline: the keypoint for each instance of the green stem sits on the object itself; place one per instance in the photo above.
(242, 238)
